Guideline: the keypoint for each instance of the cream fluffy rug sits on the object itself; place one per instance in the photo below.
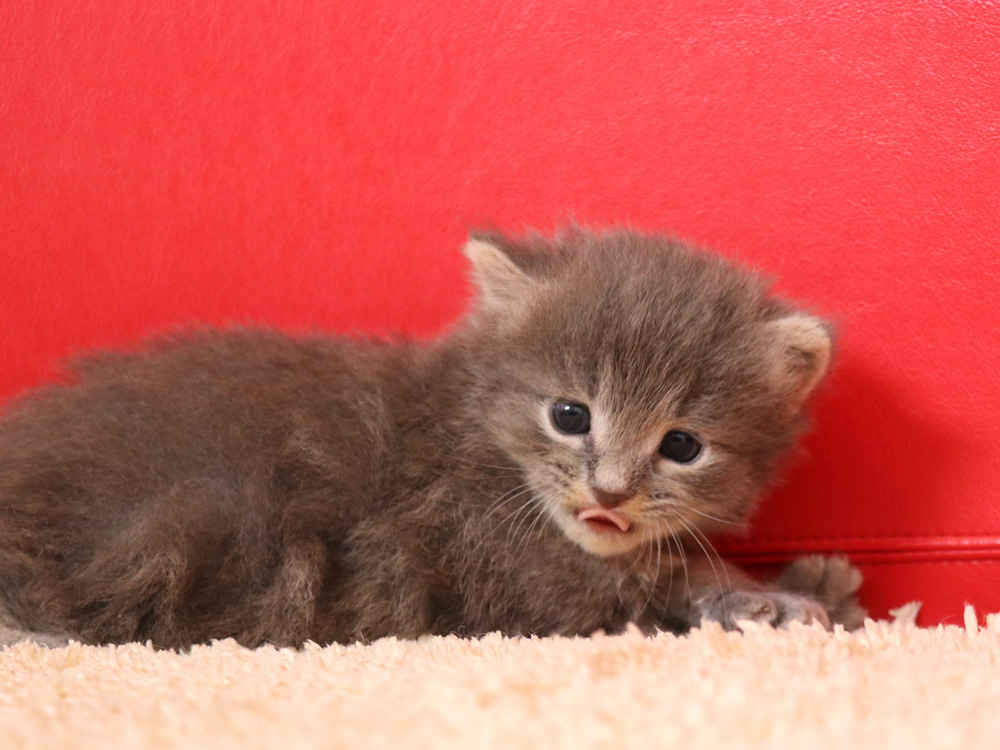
(885, 686)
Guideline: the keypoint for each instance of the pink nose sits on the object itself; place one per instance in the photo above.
(609, 499)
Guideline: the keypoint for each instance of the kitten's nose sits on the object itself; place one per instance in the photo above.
(609, 499)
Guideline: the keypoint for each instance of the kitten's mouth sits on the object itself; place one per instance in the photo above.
(603, 521)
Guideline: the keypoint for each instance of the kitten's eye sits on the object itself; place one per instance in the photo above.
(573, 419)
(682, 447)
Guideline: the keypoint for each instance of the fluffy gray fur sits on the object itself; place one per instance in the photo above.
(274, 489)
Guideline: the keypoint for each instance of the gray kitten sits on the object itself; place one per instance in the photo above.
(552, 466)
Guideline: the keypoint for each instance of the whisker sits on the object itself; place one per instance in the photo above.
(545, 501)
(638, 570)
(698, 542)
(670, 551)
(524, 537)
(711, 562)
(714, 518)
(642, 558)
(548, 499)
(636, 566)
(510, 516)
(470, 462)
(512, 532)
(684, 567)
(722, 562)
(505, 499)
(656, 575)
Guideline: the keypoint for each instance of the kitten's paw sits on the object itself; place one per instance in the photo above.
(833, 581)
(774, 608)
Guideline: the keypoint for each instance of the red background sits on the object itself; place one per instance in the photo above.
(313, 164)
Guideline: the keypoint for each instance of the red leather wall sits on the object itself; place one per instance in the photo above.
(312, 163)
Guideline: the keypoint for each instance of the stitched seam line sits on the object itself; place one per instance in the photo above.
(992, 537)
(889, 561)
(869, 542)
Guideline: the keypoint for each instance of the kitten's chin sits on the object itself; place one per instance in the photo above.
(600, 543)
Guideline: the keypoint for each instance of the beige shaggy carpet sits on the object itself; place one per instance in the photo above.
(888, 685)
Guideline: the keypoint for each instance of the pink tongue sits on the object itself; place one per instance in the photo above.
(597, 513)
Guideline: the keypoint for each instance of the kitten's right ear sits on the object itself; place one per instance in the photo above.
(500, 280)
(801, 348)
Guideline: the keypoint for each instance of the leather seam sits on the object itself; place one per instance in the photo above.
(887, 561)
(938, 541)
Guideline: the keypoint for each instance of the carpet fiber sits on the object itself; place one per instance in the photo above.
(888, 685)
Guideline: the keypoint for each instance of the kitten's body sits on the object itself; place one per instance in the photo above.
(247, 484)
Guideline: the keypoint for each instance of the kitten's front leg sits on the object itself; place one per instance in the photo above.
(822, 590)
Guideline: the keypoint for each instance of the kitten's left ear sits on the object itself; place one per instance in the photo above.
(801, 350)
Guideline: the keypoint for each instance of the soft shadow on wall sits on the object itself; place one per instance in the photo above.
(875, 475)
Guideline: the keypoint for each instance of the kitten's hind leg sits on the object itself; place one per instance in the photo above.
(10, 637)
(12, 632)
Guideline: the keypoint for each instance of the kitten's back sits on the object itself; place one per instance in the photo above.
(180, 491)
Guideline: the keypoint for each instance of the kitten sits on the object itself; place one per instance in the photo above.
(551, 466)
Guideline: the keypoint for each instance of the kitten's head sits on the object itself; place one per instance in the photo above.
(643, 386)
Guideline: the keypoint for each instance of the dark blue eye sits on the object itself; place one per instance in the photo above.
(571, 418)
(682, 447)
